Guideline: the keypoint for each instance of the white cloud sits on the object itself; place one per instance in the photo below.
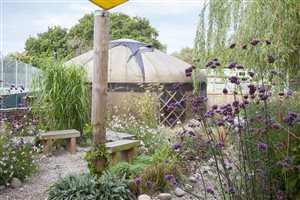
(56, 20)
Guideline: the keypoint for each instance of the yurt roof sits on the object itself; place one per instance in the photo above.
(130, 61)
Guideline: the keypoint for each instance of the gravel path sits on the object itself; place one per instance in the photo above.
(51, 168)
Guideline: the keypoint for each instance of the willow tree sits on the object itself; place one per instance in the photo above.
(224, 22)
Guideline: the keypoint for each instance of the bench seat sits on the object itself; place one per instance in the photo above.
(70, 136)
(123, 150)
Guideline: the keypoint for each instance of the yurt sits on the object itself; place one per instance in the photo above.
(132, 67)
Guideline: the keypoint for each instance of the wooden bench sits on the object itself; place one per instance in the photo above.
(70, 136)
(112, 136)
(123, 150)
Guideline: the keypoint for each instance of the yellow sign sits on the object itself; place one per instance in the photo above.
(107, 4)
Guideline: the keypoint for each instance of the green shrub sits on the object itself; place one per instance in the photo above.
(153, 178)
(86, 186)
(16, 160)
(128, 170)
(121, 169)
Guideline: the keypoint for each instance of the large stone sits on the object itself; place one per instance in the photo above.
(15, 183)
(165, 196)
(2, 187)
(179, 192)
(144, 197)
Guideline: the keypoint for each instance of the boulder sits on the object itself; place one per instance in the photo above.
(144, 197)
(15, 183)
(179, 192)
(165, 196)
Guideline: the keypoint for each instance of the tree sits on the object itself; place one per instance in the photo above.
(121, 26)
(79, 39)
(185, 54)
(223, 22)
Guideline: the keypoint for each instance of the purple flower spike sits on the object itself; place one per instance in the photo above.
(221, 122)
(251, 74)
(275, 126)
(279, 165)
(234, 79)
(288, 160)
(239, 66)
(232, 65)
(268, 41)
(289, 93)
(168, 177)
(137, 181)
(255, 41)
(231, 190)
(210, 190)
(220, 144)
(271, 59)
(261, 146)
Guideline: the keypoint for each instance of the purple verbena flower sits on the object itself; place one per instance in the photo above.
(251, 74)
(255, 41)
(168, 177)
(275, 126)
(279, 165)
(244, 46)
(232, 45)
(261, 146)
(220, 144)
(231, 190)
(268, 41)
(214, 107)
(225, 91)
(232, 65)
(239, 66)
(271, 59)
(210, 190)
(137, 181)
(289, 93)
(234, 79)
(221, 122)
(288, 160)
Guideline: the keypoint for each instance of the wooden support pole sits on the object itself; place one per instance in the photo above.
(101, 40)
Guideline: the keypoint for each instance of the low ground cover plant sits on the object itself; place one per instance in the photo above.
(87, 186)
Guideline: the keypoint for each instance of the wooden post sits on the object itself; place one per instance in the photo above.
(101, 40)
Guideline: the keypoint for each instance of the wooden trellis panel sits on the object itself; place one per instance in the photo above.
(178, 113)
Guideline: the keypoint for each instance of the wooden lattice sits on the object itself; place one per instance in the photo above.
(171, 117)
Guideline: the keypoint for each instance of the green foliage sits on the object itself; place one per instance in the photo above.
(81, 186)
(86, 186)
(155, 174)
(186, 54)
(128, 170)
(79, 39)
(100, 153)
(62, 98)
(223, 22)
(114, 188)
(16, 160)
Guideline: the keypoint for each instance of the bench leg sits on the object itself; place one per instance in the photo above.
(128, 155)
(47, 146)
(71, 145)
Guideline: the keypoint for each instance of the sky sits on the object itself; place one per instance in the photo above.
(175, 20)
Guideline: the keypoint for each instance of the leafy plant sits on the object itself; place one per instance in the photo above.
(62, 97)
(86, 186)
